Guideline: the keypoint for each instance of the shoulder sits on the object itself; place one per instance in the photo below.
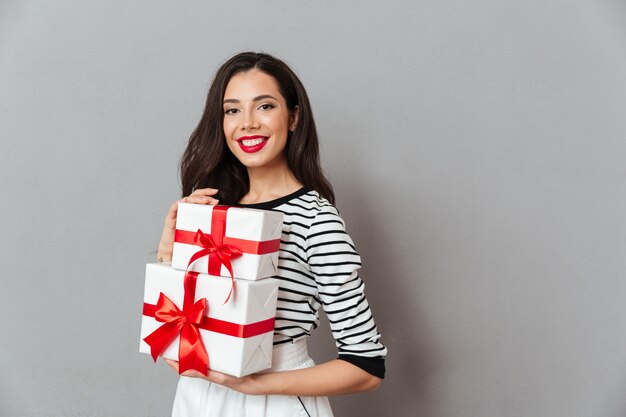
(325, 229)
(311, 208)
(314, 219)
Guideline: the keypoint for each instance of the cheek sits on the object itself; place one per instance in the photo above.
(228, 128)
(277, 124)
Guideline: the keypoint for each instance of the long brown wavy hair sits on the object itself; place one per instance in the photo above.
(207, 161)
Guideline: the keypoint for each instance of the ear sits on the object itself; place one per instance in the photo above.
(293, 118)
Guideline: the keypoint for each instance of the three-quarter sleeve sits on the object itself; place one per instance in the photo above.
(334, 262)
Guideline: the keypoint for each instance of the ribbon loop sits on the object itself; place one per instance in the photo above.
(225, 252)
(166, 311)
(197, 312)
(191, 351)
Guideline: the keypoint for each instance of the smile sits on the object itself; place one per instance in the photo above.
(251, 144)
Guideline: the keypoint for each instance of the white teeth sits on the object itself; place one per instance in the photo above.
(251, 142)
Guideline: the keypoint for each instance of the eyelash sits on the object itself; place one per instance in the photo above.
(265, 106)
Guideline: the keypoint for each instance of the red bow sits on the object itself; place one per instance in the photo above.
(220, 248)
(213, 245)
(191, 351)
(223, 252)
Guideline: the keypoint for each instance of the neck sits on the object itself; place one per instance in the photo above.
(270, 183)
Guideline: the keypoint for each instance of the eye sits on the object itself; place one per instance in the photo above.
(266, 106)
(231, 111)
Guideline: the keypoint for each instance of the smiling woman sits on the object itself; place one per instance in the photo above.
(256, 146)
(257, 123)
(208, 161)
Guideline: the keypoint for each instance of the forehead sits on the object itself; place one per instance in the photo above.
(250, 84)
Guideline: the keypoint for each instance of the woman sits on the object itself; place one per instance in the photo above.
(256, 146)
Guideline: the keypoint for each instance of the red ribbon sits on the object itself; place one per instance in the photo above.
(222, 253)
(246, 246)
(191, 351)
(220, 248)
(242, 331)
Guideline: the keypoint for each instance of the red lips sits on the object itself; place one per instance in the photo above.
(254, 143)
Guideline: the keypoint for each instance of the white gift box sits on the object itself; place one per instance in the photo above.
(251, 302)
(255, 232)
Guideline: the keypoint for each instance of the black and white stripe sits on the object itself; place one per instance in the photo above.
(318, 268)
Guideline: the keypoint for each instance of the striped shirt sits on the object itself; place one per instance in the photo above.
(318, 268)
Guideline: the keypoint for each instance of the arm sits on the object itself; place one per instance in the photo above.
(331, 378)
(334, 262)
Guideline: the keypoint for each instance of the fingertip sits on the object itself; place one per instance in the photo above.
(207, 190)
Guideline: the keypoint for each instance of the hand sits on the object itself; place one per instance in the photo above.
(248, 384)
(166, 245)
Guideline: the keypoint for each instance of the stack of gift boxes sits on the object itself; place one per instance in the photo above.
(214, 307)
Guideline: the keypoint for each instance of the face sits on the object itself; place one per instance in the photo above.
(257, 120)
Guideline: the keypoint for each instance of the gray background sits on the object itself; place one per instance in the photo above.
(477, 150)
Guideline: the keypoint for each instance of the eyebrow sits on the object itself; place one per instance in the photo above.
(257, 98)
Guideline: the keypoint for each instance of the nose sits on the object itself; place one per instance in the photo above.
(249, 121)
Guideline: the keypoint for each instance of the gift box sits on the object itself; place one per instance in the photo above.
(227, 241)
(186, 319)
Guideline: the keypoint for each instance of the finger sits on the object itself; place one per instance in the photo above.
(172, 364)
(205, 195)
(205, 192)
(192, 373)
(195, 199)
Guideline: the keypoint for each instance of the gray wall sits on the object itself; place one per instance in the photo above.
(478, 153)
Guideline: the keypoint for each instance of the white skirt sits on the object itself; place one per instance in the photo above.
(196, 397)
